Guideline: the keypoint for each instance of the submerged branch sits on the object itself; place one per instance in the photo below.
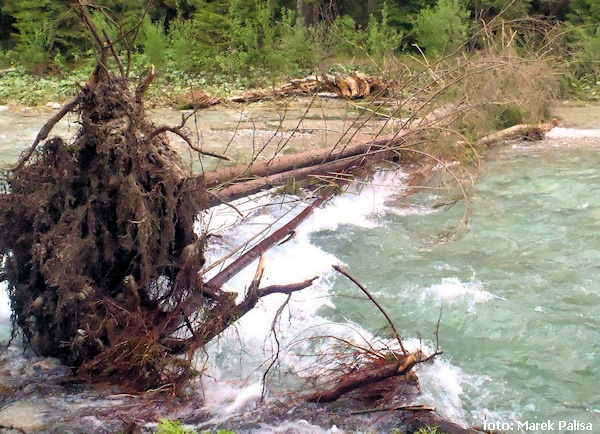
(255, 252)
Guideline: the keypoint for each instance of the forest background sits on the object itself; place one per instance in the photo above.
(227, 46)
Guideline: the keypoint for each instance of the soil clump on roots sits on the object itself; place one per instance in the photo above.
(97, 241)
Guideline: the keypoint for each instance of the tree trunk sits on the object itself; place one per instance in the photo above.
(308, 11)
(286, 163)
(372, 7)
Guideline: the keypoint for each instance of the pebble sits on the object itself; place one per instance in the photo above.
(53, 105)
(23, 416)
(3, 108)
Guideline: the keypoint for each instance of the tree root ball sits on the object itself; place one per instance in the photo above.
(91, 234)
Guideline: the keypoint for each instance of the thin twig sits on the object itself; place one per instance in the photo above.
(66, 108)
(381, 309)
(417, 407)
(177, 130)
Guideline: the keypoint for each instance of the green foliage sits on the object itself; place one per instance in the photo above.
(429, 430)
(510, 9)
(584, 12)
(584, 46)
(584, 40)
(173, 427)
(22, 87)
(258, 43)
(44, 28)
(382, 38)
(346, 39)
(183, 50)
(443, 28)
(154, 43)
(166, 426)
(511, 115)
(35, 44)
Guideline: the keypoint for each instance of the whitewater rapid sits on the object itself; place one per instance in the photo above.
(238, 359)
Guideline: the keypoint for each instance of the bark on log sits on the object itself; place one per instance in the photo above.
(286, 163)
(243, 189)
(367, 375)
(532, 131)
(255, 252)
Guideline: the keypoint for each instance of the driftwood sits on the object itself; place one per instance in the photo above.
(527, 131)
(314, 157)
(365, 376)
(353, 85)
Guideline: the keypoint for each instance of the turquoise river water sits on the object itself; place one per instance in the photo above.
(520, 291)
(518, 294)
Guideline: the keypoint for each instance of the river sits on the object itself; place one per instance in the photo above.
(518, 294)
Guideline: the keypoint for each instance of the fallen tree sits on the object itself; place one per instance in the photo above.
(98, 244)
(97, 235)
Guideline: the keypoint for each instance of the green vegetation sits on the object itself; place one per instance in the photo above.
(173, 427)
(226, 46)
(429, 430)
(166, 426)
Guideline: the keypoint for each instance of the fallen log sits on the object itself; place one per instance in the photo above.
(354, 85)
(256, 251)
(314, 157)
(365, 376)
(253, 186)
(528, 131)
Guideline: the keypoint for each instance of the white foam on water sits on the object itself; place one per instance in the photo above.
(441, 386)
(227, 398)
(295, 427)
(452, 289)
(572, 133)
(5, 311)
(241, 352)
(359, 206)
(413, 210)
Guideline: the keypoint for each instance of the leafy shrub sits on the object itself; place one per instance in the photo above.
(442, 28)
(584, 46)
(154, 42)
(382, 39)
(346, 39)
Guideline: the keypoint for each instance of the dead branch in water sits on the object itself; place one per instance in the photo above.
(365, 376)
(375, 302)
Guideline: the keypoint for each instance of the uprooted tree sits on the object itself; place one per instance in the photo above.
(97, 235)
(98, 243)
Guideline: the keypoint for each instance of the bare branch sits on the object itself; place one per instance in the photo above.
(45, 130)
(381, 309)
(145, 84)
(286, 289)
(177, 130)
(111, 46)
(417, 407)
